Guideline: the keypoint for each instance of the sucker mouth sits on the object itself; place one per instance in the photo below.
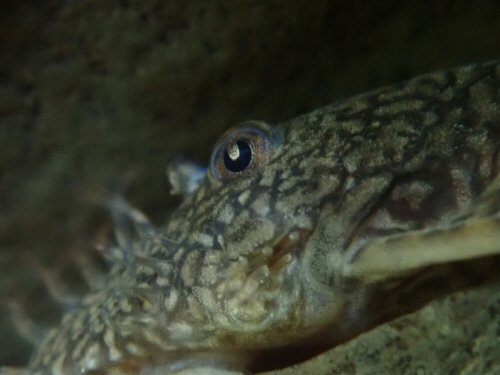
(277, 254)
(260, 292)
(293, 242)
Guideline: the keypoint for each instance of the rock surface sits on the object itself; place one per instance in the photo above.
(455, 335)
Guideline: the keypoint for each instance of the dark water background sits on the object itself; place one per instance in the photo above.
(95, 93)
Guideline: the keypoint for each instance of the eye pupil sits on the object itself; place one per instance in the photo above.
(243, 151)
(237, 156)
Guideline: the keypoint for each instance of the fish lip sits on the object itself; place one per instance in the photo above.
(280, 251)
(265, 279)
(291, 243)
(258, 295)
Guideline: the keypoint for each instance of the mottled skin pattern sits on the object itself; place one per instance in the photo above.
(279, 251)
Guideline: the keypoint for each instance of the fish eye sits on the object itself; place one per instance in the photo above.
(238, 155)
(242, 149)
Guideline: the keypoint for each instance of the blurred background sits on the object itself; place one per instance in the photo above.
(99, 94)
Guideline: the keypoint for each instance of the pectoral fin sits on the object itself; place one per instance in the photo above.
(473, 234)
(395, 256)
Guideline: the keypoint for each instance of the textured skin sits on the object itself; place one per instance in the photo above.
(267, 257)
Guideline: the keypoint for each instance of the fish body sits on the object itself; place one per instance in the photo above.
(293, 230)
